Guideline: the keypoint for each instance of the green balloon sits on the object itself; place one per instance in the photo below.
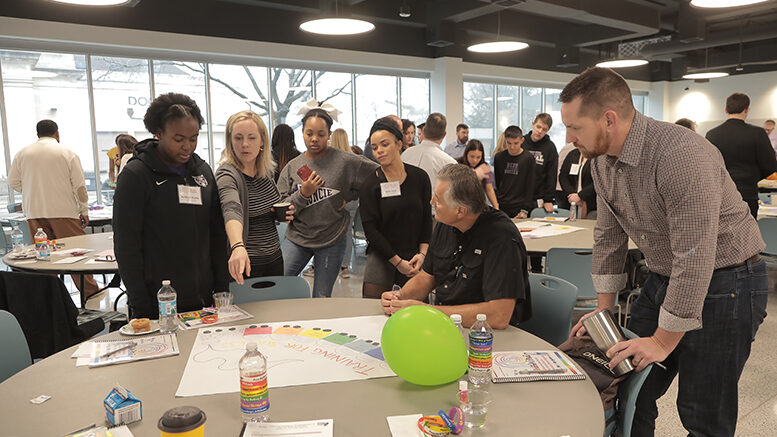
(423, 346)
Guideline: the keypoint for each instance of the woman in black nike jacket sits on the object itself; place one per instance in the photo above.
(167, 217)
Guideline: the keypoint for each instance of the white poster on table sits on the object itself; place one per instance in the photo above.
(298, 353)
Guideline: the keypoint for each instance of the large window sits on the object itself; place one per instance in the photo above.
(122, 92)
(235, 88)
(41, 85)
(186, 78)
(376, 96)
(415, 99)
(335, 89)
(479, 113)
(558, 133)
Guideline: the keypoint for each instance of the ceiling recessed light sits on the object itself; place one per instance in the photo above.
(707, 75)
(622, 63)
(95, 2)
(497, 47)
(723, 3)
(337, 26)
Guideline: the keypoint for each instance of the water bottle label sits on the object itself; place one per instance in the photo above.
(167, 308)
(480, 352)
(254, 397)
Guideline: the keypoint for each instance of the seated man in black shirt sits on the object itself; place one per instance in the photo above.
(476, 261)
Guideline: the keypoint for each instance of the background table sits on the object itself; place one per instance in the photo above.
(582, 239)
(359, 408)
(96, 243)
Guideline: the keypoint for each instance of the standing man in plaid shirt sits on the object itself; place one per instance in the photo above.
(667, 189)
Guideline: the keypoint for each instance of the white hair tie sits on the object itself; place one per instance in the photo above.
(315, 104)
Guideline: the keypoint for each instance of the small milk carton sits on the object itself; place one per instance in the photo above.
(121, 407)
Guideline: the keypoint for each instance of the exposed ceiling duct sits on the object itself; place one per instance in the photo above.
(668, 50)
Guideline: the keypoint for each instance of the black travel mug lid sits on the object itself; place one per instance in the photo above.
(181, 419)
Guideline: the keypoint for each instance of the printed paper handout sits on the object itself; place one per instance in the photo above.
(534, 229)
(105, 352)
(310, 428)
(298, 353)
(525, 366)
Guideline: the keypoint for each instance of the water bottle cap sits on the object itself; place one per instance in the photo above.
(456, 318)
(251, 346)
(462, 385)
(481, 317)
(166, 282)
(40, 229)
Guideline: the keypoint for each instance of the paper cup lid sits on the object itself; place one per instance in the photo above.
(181, 419)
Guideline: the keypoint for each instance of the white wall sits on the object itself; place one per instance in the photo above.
(705, 103)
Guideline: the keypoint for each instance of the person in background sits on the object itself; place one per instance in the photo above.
(667, 189)
(476, 261)
(248, 192)
(769, 128)
(561, 198)
(54, 198)
(577, 184)
(456, 148)
(539, 145)
(420, 132)
(126, 144)
(340, 141)
(428, 155)
(283, 147)
(500, 146)
(746, 149)
(687, 123)
(167, 219)
(514, 175)
(396, 214)
(368, 147)
(473, 158)
(408, 134)
(319, 183)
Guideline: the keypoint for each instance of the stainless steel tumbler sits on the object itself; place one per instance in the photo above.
(605, 333)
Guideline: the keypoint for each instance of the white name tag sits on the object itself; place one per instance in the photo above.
(390, 189)
(574, 169)
(189, 195)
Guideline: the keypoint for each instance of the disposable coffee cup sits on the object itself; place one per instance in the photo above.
(184, 421)
(280, 211)
(605, 333)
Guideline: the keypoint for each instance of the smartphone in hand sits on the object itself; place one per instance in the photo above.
(304, 172)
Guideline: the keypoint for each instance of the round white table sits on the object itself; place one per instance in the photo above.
(582, 239)
(95, 243)
(359, 408)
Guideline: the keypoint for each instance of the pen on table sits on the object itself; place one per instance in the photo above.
(127, 346)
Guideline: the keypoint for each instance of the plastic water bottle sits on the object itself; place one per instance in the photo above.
(17, 239)
(481, 348)
(168, 308)
(45, 251)
(456, 318)
(40, 238)
(254, 394)
(573, 212)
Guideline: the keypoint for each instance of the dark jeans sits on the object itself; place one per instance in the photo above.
(709, 361)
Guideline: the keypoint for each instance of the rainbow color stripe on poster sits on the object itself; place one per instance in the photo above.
(297, 352)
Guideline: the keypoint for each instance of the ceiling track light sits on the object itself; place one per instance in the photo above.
(404, 10)
(498, 46)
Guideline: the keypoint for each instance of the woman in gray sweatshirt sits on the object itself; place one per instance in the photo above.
(320, 220)
(247, 192)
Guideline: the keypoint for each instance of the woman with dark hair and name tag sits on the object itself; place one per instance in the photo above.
(396, 214)
(248, 192)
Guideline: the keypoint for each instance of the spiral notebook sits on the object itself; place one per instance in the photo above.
(526, 366)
